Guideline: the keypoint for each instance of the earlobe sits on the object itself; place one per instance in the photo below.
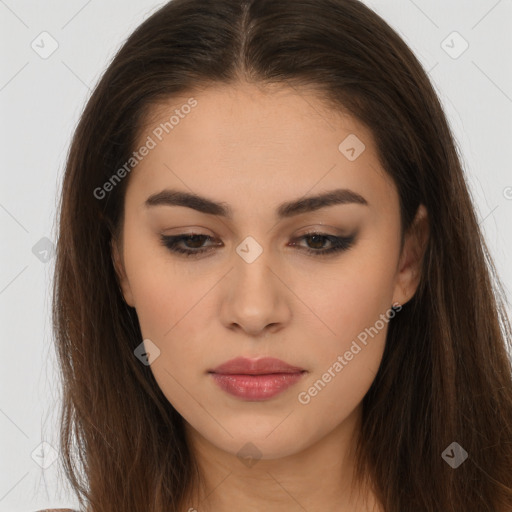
(411, 259)
(122, 278)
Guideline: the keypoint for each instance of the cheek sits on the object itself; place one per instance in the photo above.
(165, 292)
(351, 297)
(169, 313)
(170, 310)
(170, 305)
(345, 364)
(354, 306)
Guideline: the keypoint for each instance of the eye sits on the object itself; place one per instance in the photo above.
(194, 243)
(318, 240)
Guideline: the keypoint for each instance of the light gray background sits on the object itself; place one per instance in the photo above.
(40, 102)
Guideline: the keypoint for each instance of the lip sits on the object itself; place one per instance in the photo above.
(256, 379)
(261, 366)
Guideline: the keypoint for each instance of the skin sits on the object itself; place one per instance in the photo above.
(254, 149)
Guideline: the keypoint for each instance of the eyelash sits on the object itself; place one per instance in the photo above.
(339, 244)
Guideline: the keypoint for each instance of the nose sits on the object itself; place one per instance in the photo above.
(255, 299)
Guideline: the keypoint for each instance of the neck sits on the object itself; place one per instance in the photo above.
(319, 477)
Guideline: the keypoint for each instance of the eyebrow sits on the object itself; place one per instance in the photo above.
(170, 197)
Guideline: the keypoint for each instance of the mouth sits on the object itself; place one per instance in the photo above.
(256, 380)
(261, 366)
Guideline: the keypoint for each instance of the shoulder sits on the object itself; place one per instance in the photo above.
(56, 510)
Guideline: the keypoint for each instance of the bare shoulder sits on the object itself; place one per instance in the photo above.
(57, 510)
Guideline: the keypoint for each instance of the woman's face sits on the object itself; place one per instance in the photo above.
(257, 161)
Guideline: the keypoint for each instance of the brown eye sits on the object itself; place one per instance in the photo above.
(316, 243)
(190, 244)
(194, 243)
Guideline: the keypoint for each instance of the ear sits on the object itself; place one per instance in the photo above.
(122, 278)
(411, 258)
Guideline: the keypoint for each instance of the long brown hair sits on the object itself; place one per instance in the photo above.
(445, 375)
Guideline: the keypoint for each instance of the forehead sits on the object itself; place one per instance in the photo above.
(242, 115)
(244, 143)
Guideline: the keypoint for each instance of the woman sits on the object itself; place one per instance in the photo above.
(271, 288)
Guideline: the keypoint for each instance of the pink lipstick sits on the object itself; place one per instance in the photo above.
(256, 379)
